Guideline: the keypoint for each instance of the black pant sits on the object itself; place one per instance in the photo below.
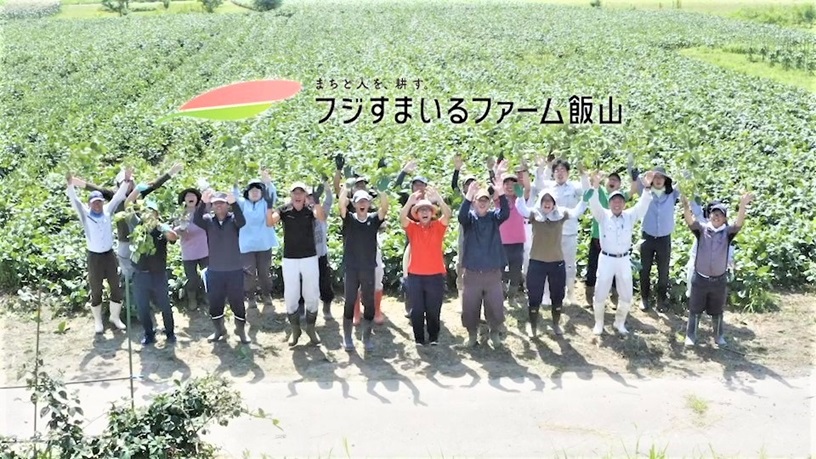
(225, 286)
(592, 266)
(103, 266)
(425, 294)
(539, 272)
(655, 249)
(515, 261)
(362, 279)
(708, 295)
(194, 285)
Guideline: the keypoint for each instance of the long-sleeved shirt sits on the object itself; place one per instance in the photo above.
(321, 228)
(567, 194)
(604, 198)
(98, 227)
(222, 238)
(193, 241)
(616, 232)
(122, 228)
(548, 229)
(659, 220)
(255, 236)
(482, 243)
(512, 229)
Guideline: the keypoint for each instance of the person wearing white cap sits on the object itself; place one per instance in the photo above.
(97, 222)
(616, 227)
(360, 230)
(301, 271)
(709, 286)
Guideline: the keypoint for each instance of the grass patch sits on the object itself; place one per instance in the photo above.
(803, 16)
(697, 405)
(95, 10)
(741, 63)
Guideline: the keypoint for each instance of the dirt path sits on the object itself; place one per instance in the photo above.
(772, 345)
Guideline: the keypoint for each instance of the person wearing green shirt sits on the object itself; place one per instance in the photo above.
(613, 183)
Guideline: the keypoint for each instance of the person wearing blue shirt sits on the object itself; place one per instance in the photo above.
(256, 238)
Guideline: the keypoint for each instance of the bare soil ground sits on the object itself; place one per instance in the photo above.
(771, 345)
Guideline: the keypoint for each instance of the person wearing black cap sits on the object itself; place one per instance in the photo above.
(613, 184)
(301, 271)
(257, 239)
(321, 230)
(658, 225)
(225, 274)
(97, 222)
(194, 250)
(702, 216)
(709, 286)
(150, 276)
(616, 227)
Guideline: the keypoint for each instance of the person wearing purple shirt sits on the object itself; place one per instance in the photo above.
(194, 250)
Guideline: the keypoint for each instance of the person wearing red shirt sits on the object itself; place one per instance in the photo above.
(426, 269)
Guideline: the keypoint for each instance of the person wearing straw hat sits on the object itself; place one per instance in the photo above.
(709, 286)
(150, 277)
(301, 270)
(616, 227)
(426, 267)
(483, 261)
(97, 222)
(225, 273)
(554, 175)
(658, 226)
(547, 264)
(194, 249)
(256, 239)
(360, 231)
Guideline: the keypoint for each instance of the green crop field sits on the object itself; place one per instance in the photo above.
(84, 96)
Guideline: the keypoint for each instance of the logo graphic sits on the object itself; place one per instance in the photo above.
(237, 101)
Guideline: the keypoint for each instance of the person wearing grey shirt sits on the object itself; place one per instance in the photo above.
(709, 284)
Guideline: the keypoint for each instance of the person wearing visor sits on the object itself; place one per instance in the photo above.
(257, 238)
(709, 285)
(97, 222)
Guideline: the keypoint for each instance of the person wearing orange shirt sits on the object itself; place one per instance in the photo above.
(426, 268)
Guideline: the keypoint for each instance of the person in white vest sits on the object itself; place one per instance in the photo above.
(616, 227)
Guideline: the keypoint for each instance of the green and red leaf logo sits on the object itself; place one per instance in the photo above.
(237, 101)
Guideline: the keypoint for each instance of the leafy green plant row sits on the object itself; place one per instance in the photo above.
(88, 109)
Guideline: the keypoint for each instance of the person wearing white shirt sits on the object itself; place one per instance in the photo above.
(616, 227)
(97, 221)
(568, 194)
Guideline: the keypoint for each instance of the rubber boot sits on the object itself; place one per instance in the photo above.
(367, 343)
(327, 315)
(99, 327)
(495, 339)
(598, 309)
(719, 332)
(294, 320)
(379, 318)
(220, 330)
(533, 318)
(240, 330)
(691, 329)
(620, 319)
(357, 310)
(589, 295)
(115, 313)
(556, 320)
(348, 342)
(311, 320)
(473, 338)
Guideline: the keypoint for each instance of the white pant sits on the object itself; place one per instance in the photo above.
(619, 269)
(528, 245)
(569, 247)
(379, 272)
(295, 270)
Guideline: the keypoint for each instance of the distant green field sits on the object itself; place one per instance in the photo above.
(80, 9)
(703, 6)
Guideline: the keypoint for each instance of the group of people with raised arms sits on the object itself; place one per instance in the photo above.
(517, 237)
